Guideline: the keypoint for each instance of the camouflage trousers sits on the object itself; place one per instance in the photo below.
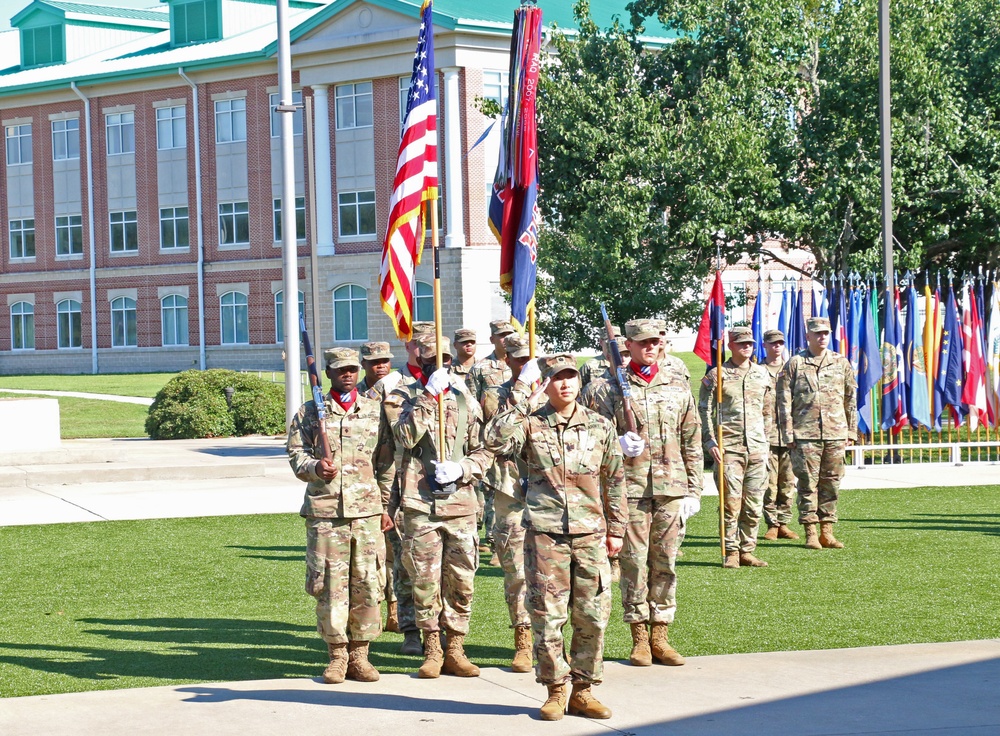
(402, 587)
(780, 487)
(564, 571)
(389, 591)
(485, 516)
(441, 555)
(746, 481)
(345, 572)
(648, 558)
(508, 538)
(818, 466)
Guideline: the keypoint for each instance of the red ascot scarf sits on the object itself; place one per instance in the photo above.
(416, 373)
(646, 372)
(345, 404)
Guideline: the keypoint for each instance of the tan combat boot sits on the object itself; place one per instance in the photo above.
(662, 651)
(522, 650)
(358, 666)
(785, 533)
(392, 618)
(640, 655)
(771, 534)
(433, 656)
(555, 705)
(337, 669)
(812, 540)
(583, 703)
(455, 661)
(826, 538)
(732, 559)
(747, 559)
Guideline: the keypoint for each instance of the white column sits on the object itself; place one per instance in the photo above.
(321, 162)
(454, 189)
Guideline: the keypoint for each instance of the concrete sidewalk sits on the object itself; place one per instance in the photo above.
(919, 689)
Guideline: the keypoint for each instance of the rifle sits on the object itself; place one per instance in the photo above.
(619, 366)
(317, 391)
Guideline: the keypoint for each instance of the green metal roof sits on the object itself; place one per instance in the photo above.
(108, 10)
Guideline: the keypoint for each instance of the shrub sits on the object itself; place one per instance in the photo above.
(193, 405)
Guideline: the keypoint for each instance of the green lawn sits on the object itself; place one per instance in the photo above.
(90, 418)
(128, 604)
(121, 384)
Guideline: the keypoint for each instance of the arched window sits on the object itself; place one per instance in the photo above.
(279, 314)
(350, 313)
(22, 326)
(235, 319)
(68, 327)
(123, 328)
(174, 319)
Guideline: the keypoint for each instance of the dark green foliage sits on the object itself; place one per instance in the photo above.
(193, 405)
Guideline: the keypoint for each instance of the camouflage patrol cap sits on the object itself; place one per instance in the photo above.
(428, 347)
(774, 336)
(741, 334)
(662, 325)
(376, 351)
(818, 324)
(641, 329)
(422, 328)
(517, 346)
(553, 364)
(341, 358)
(465, 335)
(500, 327)
(616, 331)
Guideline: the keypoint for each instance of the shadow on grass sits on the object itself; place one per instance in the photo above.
(988, 524)
(298, 552)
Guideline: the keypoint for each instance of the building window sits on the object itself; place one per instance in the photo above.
(357, 213)
(171, 127)
(234, 223)
(22, 326)
(736, 304)
(42, 45)
(279, 314)
(173, 228)
(18, 144)
(231, 120)
(195, 21)
(354, 105)
(65, 139)
(235, 319)
(495, 87)
(68, 324)
(350, 313)
(22, 239)
(69, 235)
(423, 303)
(404, 91)
(121, 132)
(300, 219)
(123, 326)
(276, 116)
(174, 319)
(124, 232)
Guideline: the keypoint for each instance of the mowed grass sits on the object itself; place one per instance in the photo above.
(128, 604)
(94, 418)
(121, 384)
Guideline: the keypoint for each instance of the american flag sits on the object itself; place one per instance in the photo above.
(415, 183)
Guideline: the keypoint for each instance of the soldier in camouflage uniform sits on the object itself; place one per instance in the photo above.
(574, 515)
(780, 478)
(503, 480)
(437, 503)
(745, 413)
(599, 367)
(411, 370)
(345, 515)
(817, 420)
(663, 481)
(465, 354)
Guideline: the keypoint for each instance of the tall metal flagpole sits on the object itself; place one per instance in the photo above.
(438, 333)
(885, 136)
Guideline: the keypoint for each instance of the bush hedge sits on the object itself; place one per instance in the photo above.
(193, 405)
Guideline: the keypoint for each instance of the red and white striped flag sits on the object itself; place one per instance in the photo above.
(415, 183)
(974, 390)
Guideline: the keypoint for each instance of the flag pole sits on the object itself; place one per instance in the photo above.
(722, 451)
(438, 333)
(531, 332)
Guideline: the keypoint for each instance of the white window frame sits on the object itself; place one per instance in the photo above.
(171, 127)
(172, 311)
(170, 218)
(275, 99)
(18, 142)
(233, 302)
(300, 219)
(72, 227)
(496, 80)
(423, 300)
(67, 132)
(123, 229)
(124, 323)
(231, 120)
(20, 233)
(229, 215)
(24, 313)
(279, 314)
(120, 128)
(65, 311)
(356, 206)
(346, 296)
(347, 97)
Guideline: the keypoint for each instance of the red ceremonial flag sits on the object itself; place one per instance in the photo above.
(713, 323)
(974, 390)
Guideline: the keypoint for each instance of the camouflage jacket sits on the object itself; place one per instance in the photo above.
(378, 390)
(504, 474)
(773, 437)
(463, 371)
(817, 398)
(672, 463)
(490, 371)
(361, 442)
(593, 369)
(747, 408)
(416, 433)
(575, 477)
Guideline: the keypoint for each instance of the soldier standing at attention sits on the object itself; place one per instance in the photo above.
(574, 515)
(745, 412)
(504, 480)
(817, 420)
(345, 516)
(663, 481)
(781, 479)
(437, 507)
(599, 367)
(465, 354)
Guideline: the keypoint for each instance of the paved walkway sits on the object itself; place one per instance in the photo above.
(81, 395)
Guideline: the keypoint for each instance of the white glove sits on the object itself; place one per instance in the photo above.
(447, 471)
(632, 444)
(390, 381)
(438, 382)
(689, 507)
(530, 372)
